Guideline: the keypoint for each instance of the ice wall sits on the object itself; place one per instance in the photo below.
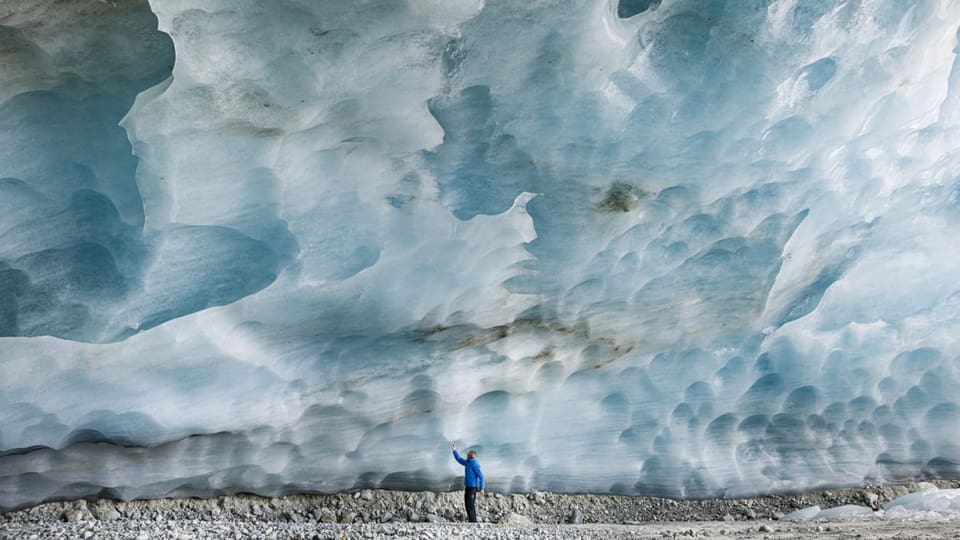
(680, 248)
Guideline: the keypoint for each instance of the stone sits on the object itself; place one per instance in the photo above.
(72, 516)
(513, 518)
(326, 515)
(924, 486)
(107, 513)
(576, 517)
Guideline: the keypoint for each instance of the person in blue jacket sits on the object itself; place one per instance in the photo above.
(473, 481)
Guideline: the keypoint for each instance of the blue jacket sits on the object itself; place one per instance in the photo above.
(472, 475)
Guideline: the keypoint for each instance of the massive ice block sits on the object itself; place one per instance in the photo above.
(672, 247)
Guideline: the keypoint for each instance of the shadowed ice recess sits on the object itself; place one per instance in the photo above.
(672, 247)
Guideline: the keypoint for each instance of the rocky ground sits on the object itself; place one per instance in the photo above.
(380, 514)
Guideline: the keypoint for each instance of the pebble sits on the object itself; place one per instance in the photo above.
(410, 515)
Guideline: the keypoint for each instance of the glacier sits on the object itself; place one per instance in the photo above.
(678, 248)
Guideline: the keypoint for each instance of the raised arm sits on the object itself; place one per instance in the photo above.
(456, 456)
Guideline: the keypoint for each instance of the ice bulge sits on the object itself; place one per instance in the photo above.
(676, 247)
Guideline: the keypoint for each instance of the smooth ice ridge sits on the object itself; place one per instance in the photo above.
(929, 505)
(649, 247)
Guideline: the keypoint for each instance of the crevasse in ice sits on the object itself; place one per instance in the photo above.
(674, 247)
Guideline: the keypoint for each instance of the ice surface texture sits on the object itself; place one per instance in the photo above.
(928, 505)
(675, 247)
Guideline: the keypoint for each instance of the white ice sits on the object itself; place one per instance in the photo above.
(670, 248)
(928, 505)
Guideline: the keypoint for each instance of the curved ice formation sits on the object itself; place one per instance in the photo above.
(931, 504)
(646, 247)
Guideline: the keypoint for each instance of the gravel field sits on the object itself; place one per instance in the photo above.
(189, 530)
(396, 514)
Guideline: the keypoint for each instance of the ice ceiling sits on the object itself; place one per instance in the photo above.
(684, 248)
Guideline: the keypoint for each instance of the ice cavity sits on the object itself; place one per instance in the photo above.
(636, 247)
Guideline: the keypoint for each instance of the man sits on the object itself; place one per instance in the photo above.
(473, 481)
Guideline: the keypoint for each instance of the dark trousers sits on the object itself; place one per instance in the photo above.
(470, 501)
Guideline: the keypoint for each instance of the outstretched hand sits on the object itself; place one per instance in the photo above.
(453, 446)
